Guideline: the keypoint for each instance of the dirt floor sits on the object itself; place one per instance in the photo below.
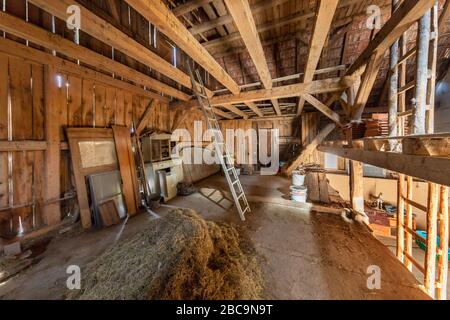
(306, 255)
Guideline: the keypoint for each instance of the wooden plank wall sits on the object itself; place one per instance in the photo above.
(80, 102)
(310, 127)
(241, 152)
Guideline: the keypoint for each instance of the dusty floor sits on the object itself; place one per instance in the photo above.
(306, 255)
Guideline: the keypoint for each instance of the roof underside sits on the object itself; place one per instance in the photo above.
(285, 28)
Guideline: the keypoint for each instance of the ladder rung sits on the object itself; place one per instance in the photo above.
(219, 141)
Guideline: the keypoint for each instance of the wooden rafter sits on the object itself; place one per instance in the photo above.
(104, 31)
(369, 61)
(113, 9)
(295, 18)
(322, 25)
(310, 148)
(160, 16)
(225, 115)
(314, 87)
(146, 116)
(235, 110)
(31, 55)
(243, 19)
(189, 6)
(323, 108)
(226, 19)
(28, 31)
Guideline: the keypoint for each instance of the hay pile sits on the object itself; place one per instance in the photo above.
(180, 256)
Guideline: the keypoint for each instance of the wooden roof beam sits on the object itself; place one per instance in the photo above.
(223, 20)
(146, 116)
(28, 31)
(294, 90)
(369, 61)
(322, 25)
(189, 6)
(104, 31)
(243, 19)
(235, 110)
(160, 16)
(323, 108)
(429, 168)
(31, 55)
(301, 16)
(409, 12)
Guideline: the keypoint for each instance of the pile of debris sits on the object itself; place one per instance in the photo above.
(180, 256)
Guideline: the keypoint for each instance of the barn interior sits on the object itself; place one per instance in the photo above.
(224, 149)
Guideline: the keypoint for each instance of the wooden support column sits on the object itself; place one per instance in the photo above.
(53, 96)
(357, 186)
(402, 83)
(409, 221)
(393, 87)
(423, 46)
(430, 254)
(433, 56)
(309, 149)
(443, 245)
(400, 218)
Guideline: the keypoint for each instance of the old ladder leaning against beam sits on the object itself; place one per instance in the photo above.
(222, 153)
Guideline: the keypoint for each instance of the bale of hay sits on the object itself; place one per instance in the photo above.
(180, 256)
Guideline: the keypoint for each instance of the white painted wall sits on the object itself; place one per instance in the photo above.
(373, 186)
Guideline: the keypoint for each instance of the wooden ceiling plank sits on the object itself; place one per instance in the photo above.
(160, 16)
(20, 28)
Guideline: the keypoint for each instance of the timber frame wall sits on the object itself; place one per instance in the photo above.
(40, 95)
(423, 154)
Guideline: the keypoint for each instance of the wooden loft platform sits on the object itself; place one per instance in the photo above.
(425, 157)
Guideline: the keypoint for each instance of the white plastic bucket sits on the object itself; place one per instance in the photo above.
(298, 179)
(299, 194)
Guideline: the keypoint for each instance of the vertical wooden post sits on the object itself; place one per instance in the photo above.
(443, 245)
(423, 46)
(53, 94)
(409, 221)
(430, 254)
(402, 83)
(357, 186)
(400, 218)
(393, 88)
(433, 67)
